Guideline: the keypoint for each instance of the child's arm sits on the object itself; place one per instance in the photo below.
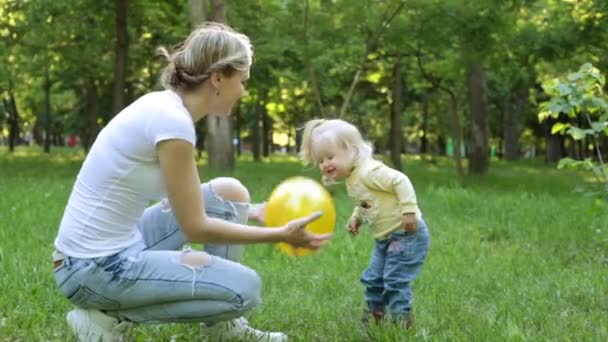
(354, 222)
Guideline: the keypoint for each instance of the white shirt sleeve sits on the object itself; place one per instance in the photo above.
(166, 125)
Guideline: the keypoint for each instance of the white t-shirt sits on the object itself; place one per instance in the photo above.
(120, 176)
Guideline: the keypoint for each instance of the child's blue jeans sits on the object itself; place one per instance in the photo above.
(395, 263)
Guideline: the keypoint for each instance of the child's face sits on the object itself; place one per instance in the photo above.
(336, 163)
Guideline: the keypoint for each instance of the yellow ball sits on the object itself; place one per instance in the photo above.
(297, 197)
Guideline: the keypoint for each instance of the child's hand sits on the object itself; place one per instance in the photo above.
(257, 212)
(353, 226)
(409, 222)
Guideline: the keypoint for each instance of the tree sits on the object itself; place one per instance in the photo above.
(220, 151)
(121, 53)
(372, 37)
(580, 95)
(396, 111)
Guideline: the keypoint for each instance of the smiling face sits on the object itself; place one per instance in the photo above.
(335, 162)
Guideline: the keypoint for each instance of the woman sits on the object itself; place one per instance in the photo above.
(119, 262)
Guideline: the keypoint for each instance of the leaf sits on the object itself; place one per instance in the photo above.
(599, 171)
(577, 133)
(600, 103)
(542, 116)
(586, 68)
(549, 86)
(559, 127)
(564, 89)
(599, 126)
(567, 163)
(575, 76)
(557, 106)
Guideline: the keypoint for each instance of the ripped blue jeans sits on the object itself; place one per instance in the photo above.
(394, 265)
(147, 283)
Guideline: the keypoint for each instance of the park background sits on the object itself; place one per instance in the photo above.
(494, 109)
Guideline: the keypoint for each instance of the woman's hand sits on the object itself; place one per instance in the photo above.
(296, 235)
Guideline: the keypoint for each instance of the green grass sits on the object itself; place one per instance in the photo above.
(516, 255)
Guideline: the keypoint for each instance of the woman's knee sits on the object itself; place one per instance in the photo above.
(195, 259)
(230, 189)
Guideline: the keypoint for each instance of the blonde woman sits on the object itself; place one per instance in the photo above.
(120, 263)
(386, 201)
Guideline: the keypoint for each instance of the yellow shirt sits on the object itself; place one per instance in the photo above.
(382, 195)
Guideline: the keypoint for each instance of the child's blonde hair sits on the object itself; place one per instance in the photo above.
(334, 131)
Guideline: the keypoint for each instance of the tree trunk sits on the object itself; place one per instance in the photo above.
(13, 120)
(298, 136)
(510, 132)
(37, 134)
(370, 45)
(396, 139)
(456, 134)
(582, 147)
(583, 143)
(256, 143)
(237, 120)
(120, 62)
(47, 110)
(309, 65)
(455, 118)
(200, 137)
(92, 113)
(197, 16)
(479, 160)
(219, 11)
(512, 125)
(425, 123)
(555, 150)
(220, 151)
(288, 146)
(197, 11)
(266, 133)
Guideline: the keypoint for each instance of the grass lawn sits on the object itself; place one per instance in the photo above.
(516, 255)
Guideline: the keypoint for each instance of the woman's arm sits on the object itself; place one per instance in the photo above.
(183, 189)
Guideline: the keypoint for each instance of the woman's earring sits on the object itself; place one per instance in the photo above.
(217, 92)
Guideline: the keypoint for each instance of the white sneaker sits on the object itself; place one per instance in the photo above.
(95, 326)
(239, 329)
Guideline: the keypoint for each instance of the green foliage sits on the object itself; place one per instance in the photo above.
(518, 42)
(579, 94)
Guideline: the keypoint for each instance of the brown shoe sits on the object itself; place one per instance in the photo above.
(377, 315)
(405, 322)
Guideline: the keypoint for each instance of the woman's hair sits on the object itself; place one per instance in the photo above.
(342, 134)
(211, 47)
